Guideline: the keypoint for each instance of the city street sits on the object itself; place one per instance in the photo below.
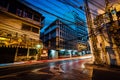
(60, 40)
(59, 70)
(69, 69)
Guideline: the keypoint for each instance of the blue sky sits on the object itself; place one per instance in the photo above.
(61, 9)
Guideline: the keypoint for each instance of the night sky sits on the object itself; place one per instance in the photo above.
(61, 9)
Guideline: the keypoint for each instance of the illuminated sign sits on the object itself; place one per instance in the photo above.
(44, 53)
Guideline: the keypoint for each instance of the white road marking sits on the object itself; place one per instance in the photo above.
(37, 71)
(56, 69)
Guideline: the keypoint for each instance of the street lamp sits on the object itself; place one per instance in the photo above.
(39, 47)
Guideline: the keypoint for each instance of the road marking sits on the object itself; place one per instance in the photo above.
(56, 69)
(37, 71)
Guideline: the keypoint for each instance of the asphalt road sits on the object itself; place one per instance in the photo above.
(59, 70)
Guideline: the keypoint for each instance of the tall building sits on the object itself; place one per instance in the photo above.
(19, 31)
(104, 26)
(81, 29)
(82, 34)
(62, 38)
(59, 36)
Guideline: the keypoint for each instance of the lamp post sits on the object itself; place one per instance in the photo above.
(39, 47)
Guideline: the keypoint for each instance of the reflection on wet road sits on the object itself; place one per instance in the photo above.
(62, 70)
(74, 69)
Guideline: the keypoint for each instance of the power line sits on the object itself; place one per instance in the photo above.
(75, 7)
(38, 8)
(55, 5)
(52, 9)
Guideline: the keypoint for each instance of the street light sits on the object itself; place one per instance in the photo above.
(39, 47)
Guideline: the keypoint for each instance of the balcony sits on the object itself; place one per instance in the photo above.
(21, 12)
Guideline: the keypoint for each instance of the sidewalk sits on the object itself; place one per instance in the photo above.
(103, 72)
(103, 67)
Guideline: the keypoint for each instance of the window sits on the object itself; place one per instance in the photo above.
(36, 18)
(22, 51)
(24, 14)
(33, 52)
(36, 30)
(27, 14)
(26, 27)
(19, 12)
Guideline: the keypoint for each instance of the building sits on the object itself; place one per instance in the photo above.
(104, 26)
(81, 29)
(19, 31)
(82, 34)
(59, 36)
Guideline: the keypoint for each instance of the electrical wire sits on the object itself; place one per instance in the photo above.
(38, 8)
(75, 7)
(52, 9)
(55, 5)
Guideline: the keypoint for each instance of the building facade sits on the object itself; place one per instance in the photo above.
(59, 36)
(82, 34)
(19, 31)
(103, 22)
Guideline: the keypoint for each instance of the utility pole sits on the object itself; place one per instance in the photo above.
(112, 45)
(93, 38)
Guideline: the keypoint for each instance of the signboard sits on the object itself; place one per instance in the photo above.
(44, 54)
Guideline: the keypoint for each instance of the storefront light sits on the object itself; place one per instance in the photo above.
(53, 53)
(38, 46)
(62, 50)
(2, 38)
